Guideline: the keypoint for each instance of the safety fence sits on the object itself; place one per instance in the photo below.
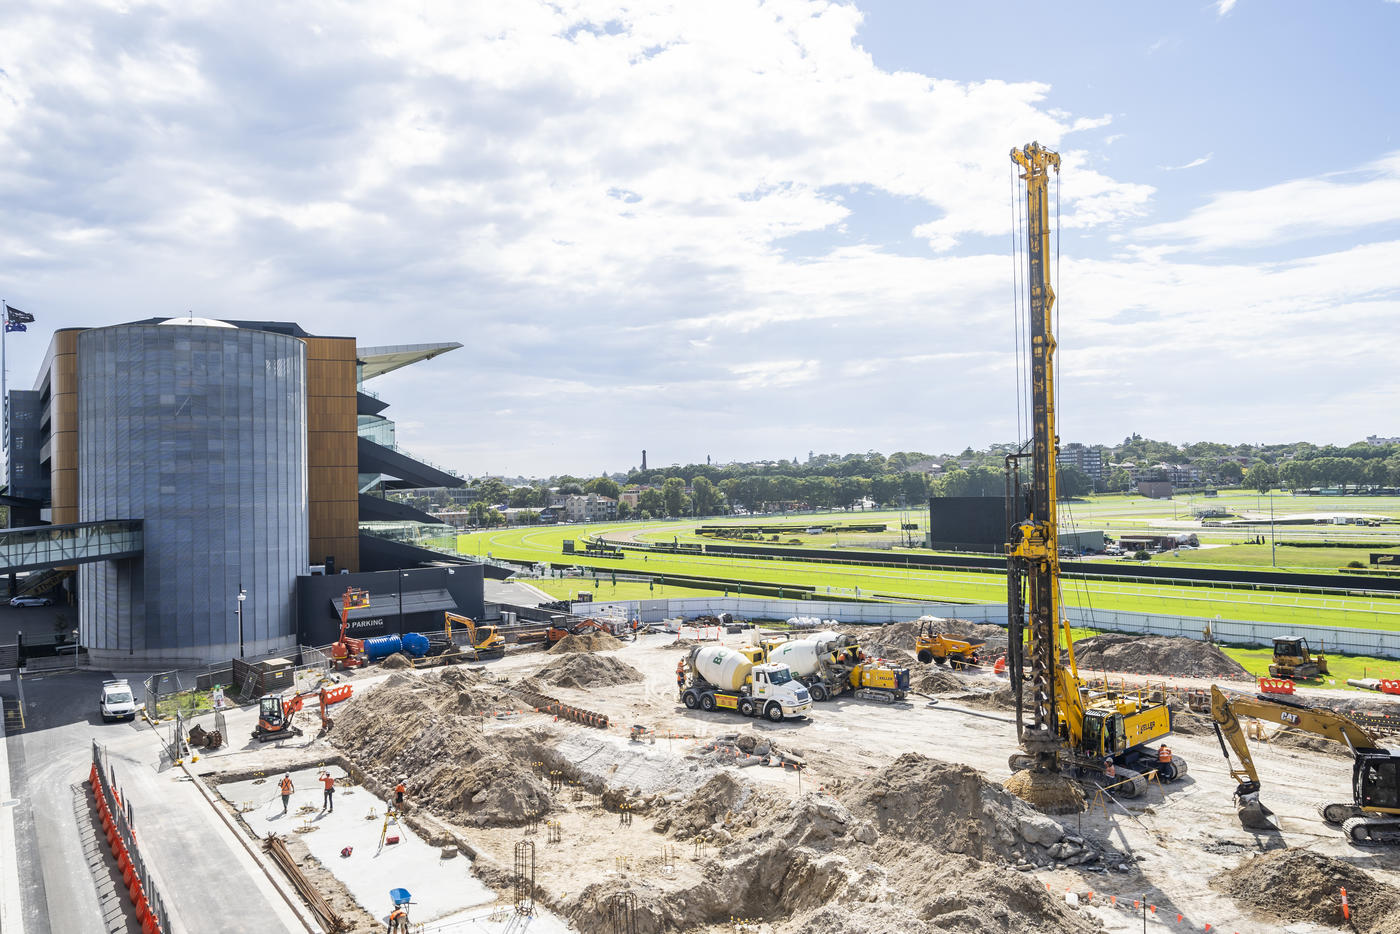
(201, 690)
(118, 825)
(1346, 641)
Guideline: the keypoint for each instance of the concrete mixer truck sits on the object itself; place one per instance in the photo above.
(832, 663)
(740, 680)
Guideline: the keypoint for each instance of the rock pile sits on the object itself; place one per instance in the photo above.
(588, 671)
(1301, 885)
(1156, 655)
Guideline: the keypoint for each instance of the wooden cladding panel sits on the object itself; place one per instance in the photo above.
(332, 451)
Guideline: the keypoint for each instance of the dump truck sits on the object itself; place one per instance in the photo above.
(831, 664)
(941, 648)
(740, 680)
(1294, 660)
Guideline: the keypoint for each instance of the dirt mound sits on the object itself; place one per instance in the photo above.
(902, 635)
(999, 699)
(593, 641)
(397, 660)
(1156, 655)
(426, 728)
(895, 656)
(1190, 723)
(1301, 885)
(717, 809)
(681, 644)
(1307, 742)
(934, 680)
(588, 671)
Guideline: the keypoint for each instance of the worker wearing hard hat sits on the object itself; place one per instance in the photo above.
(398, 920)
(328, 795)
(399, 791)
(680, 677)
(287, 788)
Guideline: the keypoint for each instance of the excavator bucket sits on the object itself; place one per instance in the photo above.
(1253, 813)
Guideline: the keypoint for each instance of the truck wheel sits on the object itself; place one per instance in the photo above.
(747, 708)
(818, 692)
(774, 712)
(959, 661)
(707, 702)
(925, 656)
(691, 700)
(940, 660)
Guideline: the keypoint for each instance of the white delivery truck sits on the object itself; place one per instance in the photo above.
(738, 679)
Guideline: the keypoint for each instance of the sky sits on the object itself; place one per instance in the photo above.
(735, 229)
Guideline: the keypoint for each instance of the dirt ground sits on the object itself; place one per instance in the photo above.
(863, 817)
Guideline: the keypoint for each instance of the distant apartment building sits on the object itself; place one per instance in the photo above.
(589, 507)
(1088, 459)
(1377, 441)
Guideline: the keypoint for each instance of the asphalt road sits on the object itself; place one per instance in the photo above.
(47, 758)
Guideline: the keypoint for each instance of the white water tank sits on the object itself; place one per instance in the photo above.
(724, 668)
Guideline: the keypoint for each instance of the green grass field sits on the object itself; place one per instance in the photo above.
(543, 544)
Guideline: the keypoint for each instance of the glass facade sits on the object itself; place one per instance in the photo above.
(200, 431)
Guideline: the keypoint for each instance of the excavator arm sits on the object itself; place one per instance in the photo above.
(1225, 711)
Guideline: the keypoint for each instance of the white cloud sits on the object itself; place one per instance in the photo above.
(1291, 210)
(1223, 7)
(601, 200)
(1194, 163)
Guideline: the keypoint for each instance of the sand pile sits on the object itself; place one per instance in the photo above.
(588, 671)
(681, 644)
(427, 728)
(719, 808)
(593, 641)
(1156, 655)
(396, 661)
(1301, 885)
(934, 680)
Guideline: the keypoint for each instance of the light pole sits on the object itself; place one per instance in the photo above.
(1273, 540)
(242, 595)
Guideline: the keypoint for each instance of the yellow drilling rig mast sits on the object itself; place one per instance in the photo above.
(1073, 732)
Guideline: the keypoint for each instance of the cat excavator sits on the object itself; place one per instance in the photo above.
(1103, 737)
(1373, 816)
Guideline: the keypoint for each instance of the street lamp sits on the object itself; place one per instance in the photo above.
(242, 595)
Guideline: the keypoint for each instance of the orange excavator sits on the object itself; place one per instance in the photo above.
(276, 711)
(347, 653)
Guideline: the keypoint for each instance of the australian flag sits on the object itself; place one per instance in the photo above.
(15, 320)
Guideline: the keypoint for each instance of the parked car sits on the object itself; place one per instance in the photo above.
(31, 601)
(117, 702)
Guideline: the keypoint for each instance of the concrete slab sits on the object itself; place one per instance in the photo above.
(441, 888)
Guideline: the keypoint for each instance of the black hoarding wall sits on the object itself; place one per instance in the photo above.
(425, 595)
(968, 523)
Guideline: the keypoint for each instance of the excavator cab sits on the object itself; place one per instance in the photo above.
(1376, 777)
(1103, 733)
(270, 711)
(1294, 658)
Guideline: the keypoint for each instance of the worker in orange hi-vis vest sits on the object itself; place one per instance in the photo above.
(680, 677)
(287, 789)
(328, 795)
(399, 791)
(398, 920)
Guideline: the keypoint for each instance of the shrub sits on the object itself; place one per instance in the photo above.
(1142, 555)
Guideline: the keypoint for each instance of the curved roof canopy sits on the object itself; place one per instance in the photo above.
(376, 361)
(189, 321)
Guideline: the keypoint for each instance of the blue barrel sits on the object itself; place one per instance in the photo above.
(382, 647)
(416, 644)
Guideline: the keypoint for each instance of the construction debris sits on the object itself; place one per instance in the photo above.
(1172, 656)
(1296, 885)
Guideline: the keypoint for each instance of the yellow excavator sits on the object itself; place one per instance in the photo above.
(1373, 816)
(486, 641)
(1102, 736)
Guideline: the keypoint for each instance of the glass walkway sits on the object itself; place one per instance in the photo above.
(51, 546)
